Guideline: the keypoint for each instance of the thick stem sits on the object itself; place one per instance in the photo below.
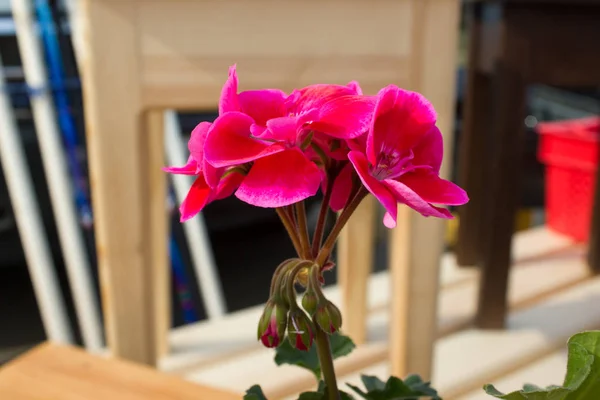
(320, 228)
(326, 361)
(323, 255)
(291, 230)
(303, 230)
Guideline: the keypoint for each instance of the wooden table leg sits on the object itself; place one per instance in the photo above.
(121, 194)
(156, 220)
(355, 262)
(502, 204)
(472, 149)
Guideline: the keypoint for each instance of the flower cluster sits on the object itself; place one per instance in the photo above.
(273, 150)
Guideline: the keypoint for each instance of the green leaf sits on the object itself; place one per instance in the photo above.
(254, 393)
(312, 396)
(322, 395)
(287, 354)
(372, 382)
(582, 381)
(341, 345)
(413, 387)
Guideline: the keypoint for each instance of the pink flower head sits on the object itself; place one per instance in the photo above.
(403, 156)
(211, 183)
(258, 129)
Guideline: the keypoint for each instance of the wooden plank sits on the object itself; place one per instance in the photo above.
(110, 71)
(355, 263)
(416, 245)
(156, 220)
(531, 335)
(56, 372)
(368, 41)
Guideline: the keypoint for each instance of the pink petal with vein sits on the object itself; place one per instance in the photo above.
(280, 180)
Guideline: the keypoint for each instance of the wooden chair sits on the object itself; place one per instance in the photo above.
(545, 41)
(140, 57)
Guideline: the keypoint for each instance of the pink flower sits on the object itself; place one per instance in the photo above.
(263, 128)
(279, 175)
(210, 184)
(403, 156)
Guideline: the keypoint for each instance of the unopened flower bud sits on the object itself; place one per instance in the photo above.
(300, 331)
(328, 317)
(272, 324)
(309, 302)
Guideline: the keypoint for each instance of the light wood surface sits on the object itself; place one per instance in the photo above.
(51, 372)
(119, 187)
(356, 249)
(416, 245)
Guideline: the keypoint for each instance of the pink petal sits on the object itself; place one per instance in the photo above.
(407, 196)
(191, 168)
(355, 87)
(342, 188)
(314, 96)
(262, 105)
(212, 175)
(402, 118)
(283, 129)
(280, 180)
(195, 200)
(229, 97)
(433, 189)
(228, 185)
(430, 150)
(229, 142)
(197, 140)
(379, 190)
(345, 117)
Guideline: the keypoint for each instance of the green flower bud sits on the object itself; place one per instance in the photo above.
(328, 317)
(272, 323)
(300, 330)
(310, 301)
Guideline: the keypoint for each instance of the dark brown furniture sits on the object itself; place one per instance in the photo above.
(530, 41)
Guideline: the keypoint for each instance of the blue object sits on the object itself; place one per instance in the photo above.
(65, 120)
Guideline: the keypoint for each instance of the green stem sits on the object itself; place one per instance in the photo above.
(323, 255)
(326, 361)
(320, 228)
(291, 229)
(291, 280)
(303, 230)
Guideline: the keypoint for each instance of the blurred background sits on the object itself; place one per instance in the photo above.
(260, 241)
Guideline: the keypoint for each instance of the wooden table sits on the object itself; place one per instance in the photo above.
(139, 57)
(51, 372)
(553, 42)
